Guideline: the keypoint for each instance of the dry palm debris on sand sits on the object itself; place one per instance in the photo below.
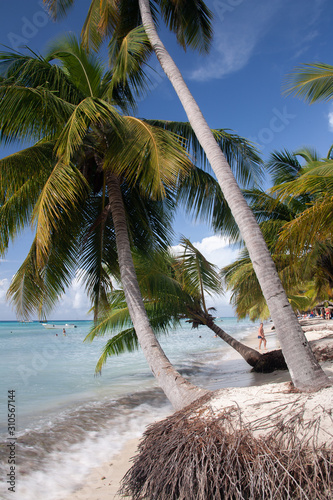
(201, 453)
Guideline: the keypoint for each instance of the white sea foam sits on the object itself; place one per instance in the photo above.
(65, 469)
(69, 421)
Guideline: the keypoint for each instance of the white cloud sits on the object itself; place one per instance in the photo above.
(74, 304)
(330, 121)
(217, 250)
(4, 284)
(238, 29)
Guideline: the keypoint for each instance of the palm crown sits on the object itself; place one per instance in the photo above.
(69, 106)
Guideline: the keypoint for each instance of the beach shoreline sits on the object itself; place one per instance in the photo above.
(103, 482)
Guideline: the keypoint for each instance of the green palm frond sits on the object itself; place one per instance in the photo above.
(125, 341)
(37, 289)
(116, 318)
(127, 57)
(22, 176)
(90, 112)
(31, 113)
(83, 70)
(153, 157)
(34, 72)
(190, 21)
(26, 290)
(300, 302)
(197, 274)
(314, 224)
(311, 82)
(58, 8)
(283, 166)
(98, 256)
(149, 221)
(62, 195)
(309, 155)
(242, 156)
(103, 15)
(157, 280)
(246, 296)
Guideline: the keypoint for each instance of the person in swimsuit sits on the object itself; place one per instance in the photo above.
(261, 336)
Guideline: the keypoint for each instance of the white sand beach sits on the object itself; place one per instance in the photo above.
(103, 482)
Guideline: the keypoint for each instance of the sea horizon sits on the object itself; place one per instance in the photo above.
(69, 420)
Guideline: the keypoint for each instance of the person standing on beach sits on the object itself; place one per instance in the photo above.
(261, 336)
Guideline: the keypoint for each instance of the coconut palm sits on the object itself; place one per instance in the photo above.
(128, 163)
(174, 288)
(302, 253)
(191, 23)
(72, 185)
(308, 237)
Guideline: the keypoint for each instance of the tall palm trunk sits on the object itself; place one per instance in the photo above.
(250, 355)
(305, 372)
(178, 390)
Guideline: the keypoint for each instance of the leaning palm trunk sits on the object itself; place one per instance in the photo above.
(178, 390)
(305, 372)
(250, 355)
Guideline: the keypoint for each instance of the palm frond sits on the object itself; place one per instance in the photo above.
(26, 290)
(314, 224)
(31, 71)
(89, 112)
(102, 17)
(190, 21)
(62, 195)
(127, 57)
(31, 113)
(58, 8)
(198, 275)
(311, 82)
(241, 155)
(153, 157)
(83, 70)
(22, 176)
(283, 166)
(98, 256)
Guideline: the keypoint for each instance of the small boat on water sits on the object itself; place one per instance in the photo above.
(54, 326)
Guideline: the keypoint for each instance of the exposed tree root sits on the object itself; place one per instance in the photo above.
(196, 454)
(270, 361)
(274, 360)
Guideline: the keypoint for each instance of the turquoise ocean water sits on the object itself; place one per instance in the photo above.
(68, 420)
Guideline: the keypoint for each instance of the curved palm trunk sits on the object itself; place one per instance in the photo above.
(250, 355)
(178, 390)
(305, 372)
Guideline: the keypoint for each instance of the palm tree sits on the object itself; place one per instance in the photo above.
(297, 232)
(73, 183)
(308, 237)
(191, 23)
(174, 289)
(81, 233)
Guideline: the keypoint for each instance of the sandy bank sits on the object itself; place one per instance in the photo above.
(254, 402)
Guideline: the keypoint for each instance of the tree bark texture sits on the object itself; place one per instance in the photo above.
(178, 390)
(250, 355)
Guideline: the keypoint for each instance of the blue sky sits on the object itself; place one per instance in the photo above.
(238, 86)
